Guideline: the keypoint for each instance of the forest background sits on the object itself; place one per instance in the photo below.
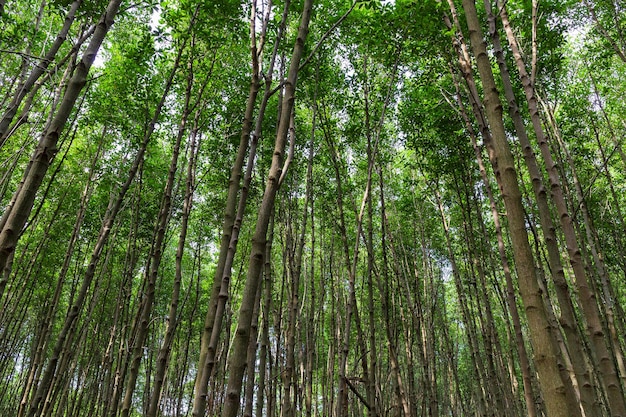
(312, 208)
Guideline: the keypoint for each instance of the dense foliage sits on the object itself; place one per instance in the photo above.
(312, 208)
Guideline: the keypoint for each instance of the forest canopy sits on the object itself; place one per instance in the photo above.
(312, 208)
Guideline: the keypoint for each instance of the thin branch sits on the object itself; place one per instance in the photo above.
(327, 34)
(357, 393)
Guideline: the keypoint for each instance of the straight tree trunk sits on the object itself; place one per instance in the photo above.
(115, 204)
(295, 267)
(54, 303)
(47, 146)
(568, 315)
(310, 347)
(531, 408)
(592, 240)
(558, 400)
(601, 354)
(237, 361)
(383, 288)
(264, 350)
(41, 81)
(225, 278)
(37, 72)
(156, 255)
(172, 322)
(616, 44)
(472, 338)
(230, 234)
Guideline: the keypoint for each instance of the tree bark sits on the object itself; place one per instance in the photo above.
(237, 361)
(568, 315)
(601, 355)
(37, 72)
(557, 399)
(172, 317)
(47, 146)
(113, 209)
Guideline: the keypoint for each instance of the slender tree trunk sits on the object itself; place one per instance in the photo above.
(122, 314)
(56, 97)
(34, 89)
(172, 322)
(237, 362)
(568, 315)
(512, 305)
(295, 251)
(113, 209)
(156, 255)
(310, 346)
(54, 303)
(37, 72)
(232, 212)
(592, 241)
(47, 147)
(225, 278)
(606, 367)
(265, 351)
(616, 44)
(472, 339)
(383, 288)
(559, 401)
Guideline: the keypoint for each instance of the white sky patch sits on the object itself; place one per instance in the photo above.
(99, 61)
(155, 18)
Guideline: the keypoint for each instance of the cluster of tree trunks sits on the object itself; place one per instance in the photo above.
(378, 269)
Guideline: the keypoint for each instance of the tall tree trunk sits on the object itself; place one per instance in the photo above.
(468, 321)
(250, 390)
(37, 72)
(225, 277)
(310, 346)
(618, 45)
(592, 240)
(531, 408)
(173, 319)
(383, 288)
(237, 361)
(115, 204)
(568, 315)
(265, 351)
(47, 146)
(156, 254)
(295, 250)
(41, 81)
(601, 354)
(47, 325)
(233, 213)
(559, 400)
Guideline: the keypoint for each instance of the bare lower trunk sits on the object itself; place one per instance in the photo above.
(238, 358)
(47, 146)
(172, 323)
(588, 299)
(559, 401)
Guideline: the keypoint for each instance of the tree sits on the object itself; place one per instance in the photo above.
(391, 250)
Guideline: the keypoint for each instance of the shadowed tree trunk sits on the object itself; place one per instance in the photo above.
(233, 213)
(559, 400)
(601, 354)
(568, 315)
(47, 146)
(238, 357)
(517, 327)
(115, 203)
(37, 72)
